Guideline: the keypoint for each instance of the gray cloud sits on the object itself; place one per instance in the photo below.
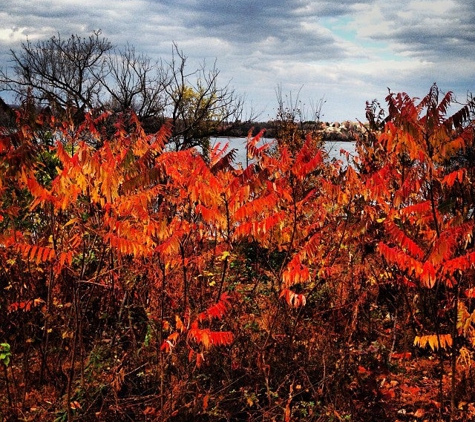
(350, 50)
(432, 30)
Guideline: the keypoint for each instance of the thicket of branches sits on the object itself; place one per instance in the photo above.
(78, 74)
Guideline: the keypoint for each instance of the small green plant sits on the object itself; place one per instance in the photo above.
(5, 357)
(5, 354)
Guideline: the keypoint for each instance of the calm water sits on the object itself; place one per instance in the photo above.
(333, 148)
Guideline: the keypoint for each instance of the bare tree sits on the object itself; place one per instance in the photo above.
(134, 82)
(295, 120)
(197, 106)
(66, 72)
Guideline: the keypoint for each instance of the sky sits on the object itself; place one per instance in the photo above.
(339, 54)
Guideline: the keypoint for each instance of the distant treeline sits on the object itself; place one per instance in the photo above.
(346, 131)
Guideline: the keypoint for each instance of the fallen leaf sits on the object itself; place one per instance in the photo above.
(419, 413)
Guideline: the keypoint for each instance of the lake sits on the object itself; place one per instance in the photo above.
(333, 148)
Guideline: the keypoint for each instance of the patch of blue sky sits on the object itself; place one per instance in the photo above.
(345, 28)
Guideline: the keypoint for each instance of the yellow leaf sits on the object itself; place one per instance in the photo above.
(67, 334)
(72, 221)
(433, 342)
(179, 324)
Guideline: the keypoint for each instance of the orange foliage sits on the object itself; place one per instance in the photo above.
(183, 265)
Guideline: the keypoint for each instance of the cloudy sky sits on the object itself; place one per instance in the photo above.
(342, 51)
